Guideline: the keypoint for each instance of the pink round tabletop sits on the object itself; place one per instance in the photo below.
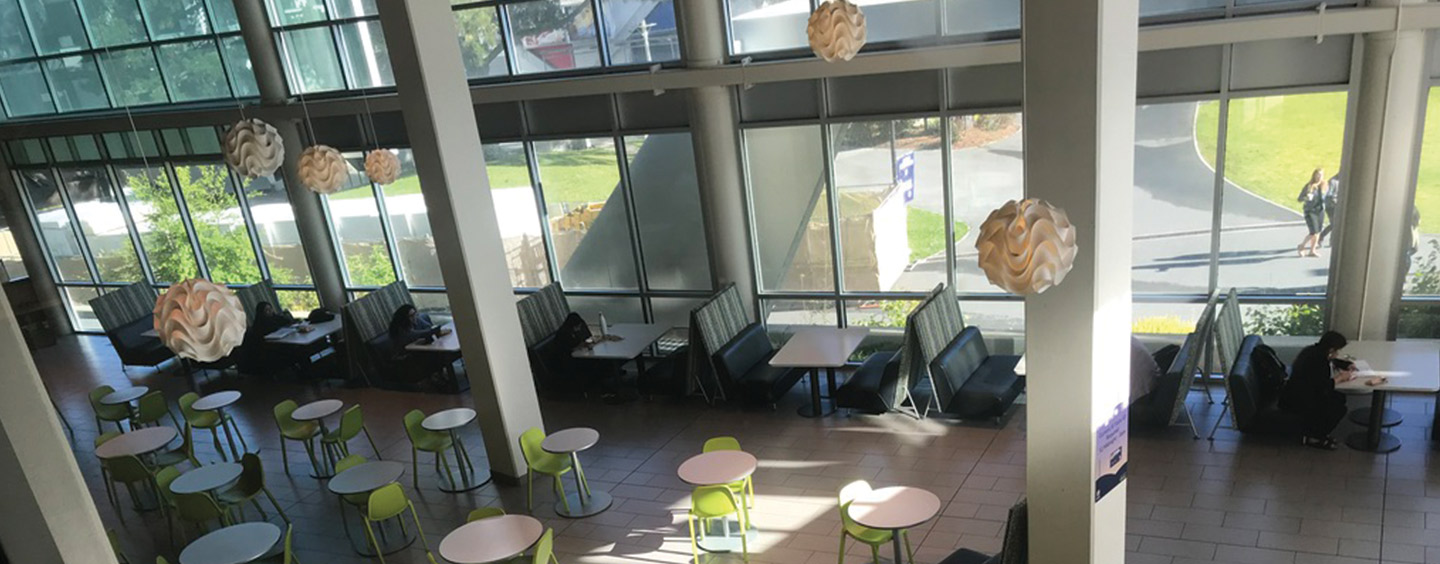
(717, 467)
(570, 440)
(893, 508)
(318, 409)
(491, 540)
(217, 400)
(127, 395)
(136, 443)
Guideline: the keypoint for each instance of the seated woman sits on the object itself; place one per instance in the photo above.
(260, 357)
(409, 325)
(1310, 391)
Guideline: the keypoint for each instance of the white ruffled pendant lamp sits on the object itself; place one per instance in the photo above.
(200, 320)
(322, 169)
(382, 166)
(836, 30)
(1027, 246)
(254, 148)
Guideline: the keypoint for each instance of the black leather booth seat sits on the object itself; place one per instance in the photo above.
(744, 365)
(985, 385)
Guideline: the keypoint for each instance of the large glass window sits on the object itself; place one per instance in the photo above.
(193, 71)
(367, 59)
(53, 222)
(102, 223)
(767, 25)
(156, 214)
(641, 31)
(987, 169)
(55, 25)
(310, 58)
(14, 38)
(214, 210)
(589, 227)
(510, 188)
(790, 204)
(12, 266)
(132, 77)
(112, 22)
(481, 46)
(410, 223)
(274, 221)
(355, 217)
(1419, 320)
(23, 90)
(1174, 197)
(75, 82)
(552, 35)
(667, 208)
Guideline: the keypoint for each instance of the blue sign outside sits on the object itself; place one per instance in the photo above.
(905, 175)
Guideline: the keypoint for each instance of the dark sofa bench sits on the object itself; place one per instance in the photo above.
(743, 364)
(985, 385)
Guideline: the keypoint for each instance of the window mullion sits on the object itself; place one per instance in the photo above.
(636, 247)
(179, 194)
(385, 228)
(532, 162)
(124, 204)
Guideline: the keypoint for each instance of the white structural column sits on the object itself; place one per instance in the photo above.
(1372, 240)
(716, 136)
(49, 515)
(440, 121)
(1079, 63)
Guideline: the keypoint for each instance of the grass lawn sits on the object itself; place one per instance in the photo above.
(1427, 189)
(583, 176)
(1276, 141)
(926, 230)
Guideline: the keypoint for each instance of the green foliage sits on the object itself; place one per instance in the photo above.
(1294, 320)
(926, 231)
(1275, 142)
(892, 314)
(1422, 321)
(371, 267)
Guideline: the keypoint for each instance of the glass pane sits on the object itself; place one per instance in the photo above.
(85, 147)
(896, 20)
(298, 302)
(309, 56)
(789, 204)
(1164, 7)
(983, 18)
(889, 314)
(12, 266)
(27, 151)
(174, 142)
(1416, 321)
(480, 47)
(131, 144)
(81, 315)
(352, 8)
(289, 12)
(987, 162)
(667, 207)
(1165, 318)
(617, 309)
(436, 305)
(1424, 256)
(275, 225)
(780, 314)
(1281, 154)
(222, 15)
(203, 140)
(193, 71)
(60, 148)
(367, 60)
(551, 35)
(641, 31)
(215, 214)
(157, 220)
(1274, 320)
(892, 204)
(1174, 198)
(14, 38)
(580, 181)
(237, 64)
(54, 225)
(133, 77)
(766, 25)
(76, 82)
(355, 217)
(410, 224)
(169, 19)
(56, 24)
(113, 22)
(23, 90)
(995, 318)
(103, 224)
(673, 312)
(519, 217)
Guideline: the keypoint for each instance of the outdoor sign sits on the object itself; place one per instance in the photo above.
(1111, 456)
(905, 175)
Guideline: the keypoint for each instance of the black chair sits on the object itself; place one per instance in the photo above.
(985, 385)
(136, 349)
(871, 389)
(1254, 401)
(1015, 549)
(1157, 408)
(744, 365)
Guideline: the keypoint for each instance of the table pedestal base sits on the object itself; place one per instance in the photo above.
(721, 535)
(826, 408)
(1360, 440)
(463, 483)
(820, 405)
(592, 504)
(466, 469)
(1388, 417)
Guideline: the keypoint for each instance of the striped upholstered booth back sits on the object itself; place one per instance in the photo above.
(1229, 331)
(251, 296)
(542, 313)
(933, 324)
(368, 317)
(125, 305)
(712, 325)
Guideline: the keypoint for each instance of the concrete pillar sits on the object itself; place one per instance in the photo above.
(31, 251)
(440, 121)
(1377, 194)
(49, 515)
(1079, 72)
(310, 220)
(715, 132)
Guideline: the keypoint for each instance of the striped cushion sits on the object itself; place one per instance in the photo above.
(367, 318)
(712, 325)
(542, 313)
(251, 297)
(118, 308)
(935, 323)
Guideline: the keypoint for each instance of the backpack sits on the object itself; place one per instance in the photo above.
(1270, 370)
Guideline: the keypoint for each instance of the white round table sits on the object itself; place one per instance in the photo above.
(217, 402)
(317, 411)
(491, 540)
(720, 468)
(125, 396)
(236, 544)
(206, 478)
(584, 502)
(361, 480)
(451, 421)
(894, 509)
(137, 443)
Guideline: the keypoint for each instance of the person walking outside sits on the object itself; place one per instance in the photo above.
(1332, 205)
(1312, 200)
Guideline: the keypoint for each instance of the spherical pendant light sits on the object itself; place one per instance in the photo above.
(322, 169)
(382, 166)
(836, 30)
(1027, 246)
(200, 320)
(254, 148)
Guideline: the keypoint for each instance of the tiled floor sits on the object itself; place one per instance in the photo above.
(1234, 501)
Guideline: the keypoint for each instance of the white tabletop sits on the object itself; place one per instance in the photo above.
(217, 400)
(236, 544)
(820, 347)
(899, 507)
(366, 478)
(206, 478)
(449, 419)
(127, 395)
(293, 335)
(570, 440)
(635, 338)
(150, 333)
(717, 467)
(136, 443)
(491, 540)
(1408, 366)
(318, 409)
(442, 343)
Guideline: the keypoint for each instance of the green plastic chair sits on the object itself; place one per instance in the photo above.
(360, 499)
(337, 442)
(199, 509)
(128, 471)
(163, 479)
(717, 502)
(161, 560)
(545, 549)
(116, 414)
(185, 453)
(289, 546)
(390, 502)
(249, 487)
(298, 431)
(202, 420)
(875, 538)
(484, 513)
(425, 440)
(152, 409)
(104, 468)
(553, 465)
(115, 547)
(743, 487)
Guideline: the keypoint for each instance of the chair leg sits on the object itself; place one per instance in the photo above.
(875, 553)
(694, 545)
(842, 546)
(909, 552)
(560, 491)
(215, 437)
(418, 529)
(256, 503)
(415, 467)
(370, 534)
(284, 457)
(310, 452)
(244, 447)
(446, 462)
(584, 483)
(530, 491)
(372, 443)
